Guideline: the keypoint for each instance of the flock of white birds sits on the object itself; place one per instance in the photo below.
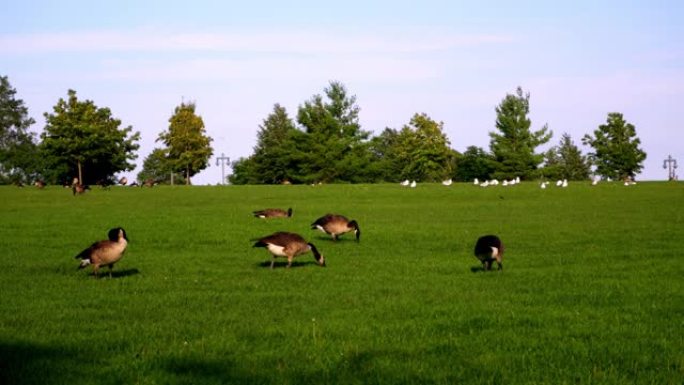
(494, 182)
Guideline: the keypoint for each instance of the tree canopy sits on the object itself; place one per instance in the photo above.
(566, 161)
(513, 146)
(475, 162)
(188, 146)
(616, 148)
(334, 146)
(18, 149)
(83, 140)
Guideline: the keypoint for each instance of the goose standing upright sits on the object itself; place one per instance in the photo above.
(105, 253)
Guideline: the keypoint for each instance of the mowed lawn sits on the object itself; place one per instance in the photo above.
(592, 290)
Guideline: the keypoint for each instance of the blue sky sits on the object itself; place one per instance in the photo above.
(454, 60)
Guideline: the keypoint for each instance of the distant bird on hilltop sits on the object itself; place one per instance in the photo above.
(105, 253)
(288, 245)
(273, 213)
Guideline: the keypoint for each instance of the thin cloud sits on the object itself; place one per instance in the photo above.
(295, 41)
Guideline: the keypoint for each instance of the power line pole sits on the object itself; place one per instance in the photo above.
(223, 159)
(671, 165)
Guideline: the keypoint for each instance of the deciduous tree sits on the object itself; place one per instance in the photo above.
(475, 162)
(157, 167)
(188, 146)
(81, 139)
(616, 148)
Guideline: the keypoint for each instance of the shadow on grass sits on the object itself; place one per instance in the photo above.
(283, 264)
(116, 274)
(27, 363)
(328, 239)
(364, 367)
(196, 371)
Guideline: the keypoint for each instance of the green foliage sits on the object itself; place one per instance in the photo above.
(19, 160)
(616, 148)
(419, 151)
(566, 161)
(474, 163)
(514, 144)
(83, 140)
(424, 149)
(333, 147)
(591, 292)
(188, 146)
(272, 154)
(158, 168)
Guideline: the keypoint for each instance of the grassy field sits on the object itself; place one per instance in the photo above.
(592, 290)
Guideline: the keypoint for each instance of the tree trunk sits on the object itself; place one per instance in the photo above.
(80, 172)
(187, 176)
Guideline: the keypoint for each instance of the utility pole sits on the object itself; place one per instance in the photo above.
(671, 165)
(223, 159)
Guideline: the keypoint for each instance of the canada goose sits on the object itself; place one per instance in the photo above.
(40, 184)
(79, 188)
(273, 213)
(488, 249)
(289, 245)
(123, 181)
(105, 253)
(336, 225)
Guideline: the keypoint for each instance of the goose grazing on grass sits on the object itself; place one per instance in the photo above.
(289, 245)
(336, 225)
(489, 249)
(273, 213)
(105, 253)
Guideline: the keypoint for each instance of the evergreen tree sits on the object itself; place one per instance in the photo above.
(566, 161)
(272, 154)
(18, 149)
(514, 144)
(334, 147)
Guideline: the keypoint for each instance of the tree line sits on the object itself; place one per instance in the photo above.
(325, 143)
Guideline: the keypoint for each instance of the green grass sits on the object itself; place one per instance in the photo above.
(592, 291)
